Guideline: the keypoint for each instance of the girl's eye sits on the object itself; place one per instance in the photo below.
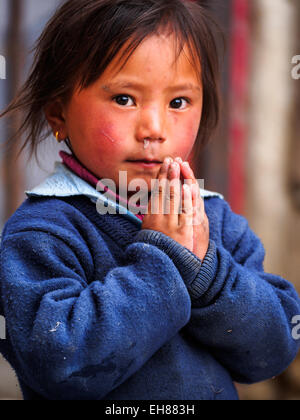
(123, 100)
(178, 102)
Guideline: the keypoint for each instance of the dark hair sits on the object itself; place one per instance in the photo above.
(84, 36)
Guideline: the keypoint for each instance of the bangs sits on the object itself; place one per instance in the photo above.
(180, 43)
(169, 25)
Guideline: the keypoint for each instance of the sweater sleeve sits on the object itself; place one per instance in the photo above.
(75, 339)
(242, 314)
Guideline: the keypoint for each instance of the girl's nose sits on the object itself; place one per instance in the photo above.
(151, 124)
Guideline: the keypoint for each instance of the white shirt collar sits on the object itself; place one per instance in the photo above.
(64, 183)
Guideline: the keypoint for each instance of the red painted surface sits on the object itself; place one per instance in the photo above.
(239, 70)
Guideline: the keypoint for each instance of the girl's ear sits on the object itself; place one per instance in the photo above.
(54, 114)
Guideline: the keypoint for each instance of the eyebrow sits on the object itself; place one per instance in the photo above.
(187, 86)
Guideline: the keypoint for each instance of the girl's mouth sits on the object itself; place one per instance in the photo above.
(145, 164)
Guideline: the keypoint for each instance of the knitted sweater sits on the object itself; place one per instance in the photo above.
(97, 308)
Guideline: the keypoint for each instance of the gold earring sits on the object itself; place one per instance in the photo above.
(56, 135)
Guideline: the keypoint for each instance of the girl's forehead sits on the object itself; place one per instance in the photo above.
(157, 50)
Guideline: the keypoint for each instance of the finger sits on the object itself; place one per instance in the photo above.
(178, 160)
(173, 193)
(187, 171)
(159, 187)
(173, 197)
(165, 168)
(198, 205)
(158, 196)
(186, 217)
(163, 179)
(188, 174)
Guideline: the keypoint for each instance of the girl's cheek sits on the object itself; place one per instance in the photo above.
(189, 124)
(108, 135)
(186, 133)
(192, 132)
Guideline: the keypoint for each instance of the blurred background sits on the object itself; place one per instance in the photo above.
(253, 160)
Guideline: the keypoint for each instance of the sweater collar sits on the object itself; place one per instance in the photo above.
(64, 182)
(74, 164)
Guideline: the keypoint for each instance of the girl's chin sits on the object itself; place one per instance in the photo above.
(138, 181)
(141, 179)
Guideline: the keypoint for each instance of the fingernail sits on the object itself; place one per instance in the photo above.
(178, 159)
(174, 169)
(165, 165)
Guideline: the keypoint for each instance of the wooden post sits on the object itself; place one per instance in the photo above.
(269, 123)
(211, 163)
(12, 174)
(239, 77)
(294, 168)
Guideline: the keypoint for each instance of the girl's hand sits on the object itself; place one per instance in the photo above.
(166, 217)
(200, 220)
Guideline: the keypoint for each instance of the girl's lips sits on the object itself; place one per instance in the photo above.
(145, 164)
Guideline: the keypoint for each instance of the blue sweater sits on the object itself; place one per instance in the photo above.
(97, 308)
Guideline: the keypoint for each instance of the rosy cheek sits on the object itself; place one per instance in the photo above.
(186, 140)
(193, 125)
(175, 119)
(187, 130)
(189, 125)
(192, 131)
(108, 135)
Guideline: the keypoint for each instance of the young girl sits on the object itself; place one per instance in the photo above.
(170, 305)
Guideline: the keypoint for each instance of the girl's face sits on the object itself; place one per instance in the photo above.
(150, 98)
